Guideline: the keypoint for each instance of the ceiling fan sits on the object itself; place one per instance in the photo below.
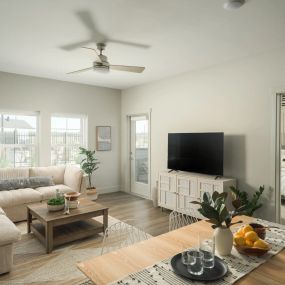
(101, 64)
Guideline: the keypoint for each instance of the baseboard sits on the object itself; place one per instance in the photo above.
(102, 190)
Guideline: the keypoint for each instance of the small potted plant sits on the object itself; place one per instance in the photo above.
(89, 164)
(214, 209)
(56, 204)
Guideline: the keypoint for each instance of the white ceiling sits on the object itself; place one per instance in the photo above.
(182, 35)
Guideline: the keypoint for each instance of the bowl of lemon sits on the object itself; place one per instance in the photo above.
(247, 241)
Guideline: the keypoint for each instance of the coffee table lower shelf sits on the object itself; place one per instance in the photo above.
(67, 233)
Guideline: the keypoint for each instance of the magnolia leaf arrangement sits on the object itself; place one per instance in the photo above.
(243, 205)
(89, 163)
(214, 209)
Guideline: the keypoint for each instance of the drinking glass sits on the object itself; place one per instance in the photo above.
(184, 257)
(195, 262)
(207, 247)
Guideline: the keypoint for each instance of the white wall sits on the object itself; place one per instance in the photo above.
(235, 98)
(101, 105)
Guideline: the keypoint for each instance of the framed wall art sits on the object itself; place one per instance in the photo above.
(103, 138)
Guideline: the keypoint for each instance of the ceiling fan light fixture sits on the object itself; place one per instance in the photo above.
(101, 68)
(232, 5)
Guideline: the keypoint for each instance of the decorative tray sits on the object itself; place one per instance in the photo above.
(217, 272)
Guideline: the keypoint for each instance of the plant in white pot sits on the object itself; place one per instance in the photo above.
(89, 164)
(214, 209)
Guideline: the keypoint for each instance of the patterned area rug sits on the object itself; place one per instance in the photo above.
(34, 267)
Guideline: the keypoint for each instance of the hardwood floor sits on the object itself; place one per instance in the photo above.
(136, 211)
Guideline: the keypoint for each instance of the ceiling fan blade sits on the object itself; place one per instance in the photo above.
(80, 70)
(95, 52)
(87, 19)
(76, 45)
(136, 69)
(137, 45)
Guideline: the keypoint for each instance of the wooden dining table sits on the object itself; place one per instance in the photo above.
(118, 264)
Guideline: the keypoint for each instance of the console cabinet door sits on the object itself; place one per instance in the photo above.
(167, 191)
(187, 186)
(167, 182)
(209, 186)
(168, 200)
(184, 203)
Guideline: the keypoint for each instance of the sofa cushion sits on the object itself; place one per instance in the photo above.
(9, 173)
(8, 231)
(56, 172)
(19, 197)
(73, 177)
(50, 191)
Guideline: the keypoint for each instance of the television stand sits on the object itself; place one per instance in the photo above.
(176, 191)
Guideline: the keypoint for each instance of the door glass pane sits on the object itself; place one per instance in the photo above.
(141, 155)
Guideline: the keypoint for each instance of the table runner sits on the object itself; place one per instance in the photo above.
(238, 265)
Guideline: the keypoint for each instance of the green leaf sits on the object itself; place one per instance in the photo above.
(209, 212)
(218, 203)
(223, 195)
(236, 203)
(196, 202)
(215, 196)
(224, 213)
(212, 221)
(207, 198)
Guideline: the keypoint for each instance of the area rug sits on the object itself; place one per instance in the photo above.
(34, 267)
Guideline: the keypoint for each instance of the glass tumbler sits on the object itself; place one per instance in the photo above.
(195, 264)
(184, 257)
(207, 247)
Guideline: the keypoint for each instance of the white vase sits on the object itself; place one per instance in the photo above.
(223, 240)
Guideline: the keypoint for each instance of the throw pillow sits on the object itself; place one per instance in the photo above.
(41, 181)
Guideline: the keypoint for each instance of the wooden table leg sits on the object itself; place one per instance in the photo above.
(105, 219)
(49, 237)
(29, 220)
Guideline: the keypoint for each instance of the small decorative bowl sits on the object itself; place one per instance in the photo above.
(259, 229)
(54, 208)
(72, 204)
(72, 196)
(252, 251)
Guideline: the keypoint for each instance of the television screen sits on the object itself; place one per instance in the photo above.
(196, 152)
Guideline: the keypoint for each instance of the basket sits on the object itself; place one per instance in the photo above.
(252, 251)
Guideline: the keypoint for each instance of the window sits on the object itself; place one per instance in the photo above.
(67, 135)
(18, 140)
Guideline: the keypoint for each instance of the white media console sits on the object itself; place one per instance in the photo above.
(176, 190)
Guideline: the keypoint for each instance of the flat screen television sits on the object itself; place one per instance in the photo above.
(196, 152)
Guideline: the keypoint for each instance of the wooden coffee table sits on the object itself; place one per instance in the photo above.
(56, 228)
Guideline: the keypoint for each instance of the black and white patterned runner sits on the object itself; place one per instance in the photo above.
(238, 265)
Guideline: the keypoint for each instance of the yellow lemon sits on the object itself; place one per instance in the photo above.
(239, 240)
(246, 229)
(261, 244)
(240, 232)
(248, 243)
(251, 235)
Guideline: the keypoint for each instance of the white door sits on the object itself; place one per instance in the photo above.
(139, 155)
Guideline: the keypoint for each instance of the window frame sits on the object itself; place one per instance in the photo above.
(36, 114)
(83, 130)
